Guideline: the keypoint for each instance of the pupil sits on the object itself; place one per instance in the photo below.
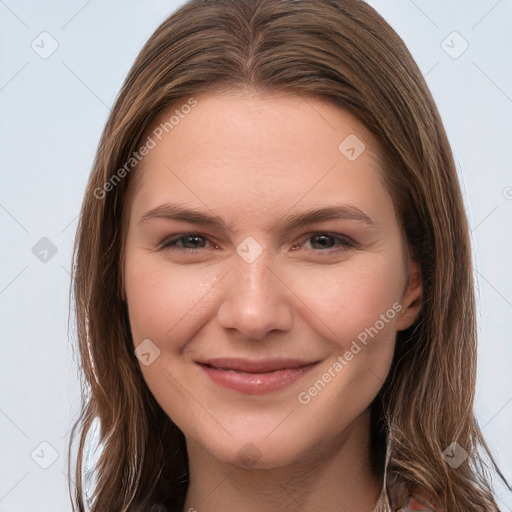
(195, 240)
(322, 239)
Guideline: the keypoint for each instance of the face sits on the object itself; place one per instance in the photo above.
(264, 329)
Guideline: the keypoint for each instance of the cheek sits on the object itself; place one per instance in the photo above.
(163, 300)
(349, 301)
(341, 302)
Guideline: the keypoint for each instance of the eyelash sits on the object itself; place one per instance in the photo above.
(169, 243)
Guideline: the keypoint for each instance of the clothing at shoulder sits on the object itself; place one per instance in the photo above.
(415, 504)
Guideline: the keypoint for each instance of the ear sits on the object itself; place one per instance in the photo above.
(411, 299)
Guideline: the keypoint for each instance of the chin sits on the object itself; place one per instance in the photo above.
(259, 450)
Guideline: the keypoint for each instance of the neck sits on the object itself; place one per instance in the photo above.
(336, 477)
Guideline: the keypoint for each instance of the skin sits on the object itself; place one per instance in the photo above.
(252, 160)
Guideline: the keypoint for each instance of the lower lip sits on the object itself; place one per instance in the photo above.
(256, 383)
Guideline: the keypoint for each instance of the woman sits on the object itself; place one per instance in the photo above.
(273, 274)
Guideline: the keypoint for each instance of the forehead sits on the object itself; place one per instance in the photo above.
(259, 153)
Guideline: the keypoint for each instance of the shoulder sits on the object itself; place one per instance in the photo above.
(415, 503)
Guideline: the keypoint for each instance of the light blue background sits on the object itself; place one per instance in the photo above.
(53, 111)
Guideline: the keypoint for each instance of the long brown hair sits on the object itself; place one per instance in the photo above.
(344, 52)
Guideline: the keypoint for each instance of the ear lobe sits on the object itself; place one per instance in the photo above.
(411, 299)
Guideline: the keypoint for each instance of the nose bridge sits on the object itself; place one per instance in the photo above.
(255, 301)
(255, 278)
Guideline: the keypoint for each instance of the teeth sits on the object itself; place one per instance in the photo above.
(245, 373)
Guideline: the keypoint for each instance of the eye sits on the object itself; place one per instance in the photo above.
(321, 242)
(328, 243)
(190, 242)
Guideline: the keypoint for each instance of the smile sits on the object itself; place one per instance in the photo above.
(255, 377)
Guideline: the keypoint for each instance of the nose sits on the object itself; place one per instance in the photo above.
(256, 300)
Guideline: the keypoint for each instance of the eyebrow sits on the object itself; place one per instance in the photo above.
(334, 212)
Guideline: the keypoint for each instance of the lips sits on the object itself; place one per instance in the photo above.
(255, 377)
(251, 366)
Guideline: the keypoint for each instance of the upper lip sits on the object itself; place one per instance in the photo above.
(252, 366)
